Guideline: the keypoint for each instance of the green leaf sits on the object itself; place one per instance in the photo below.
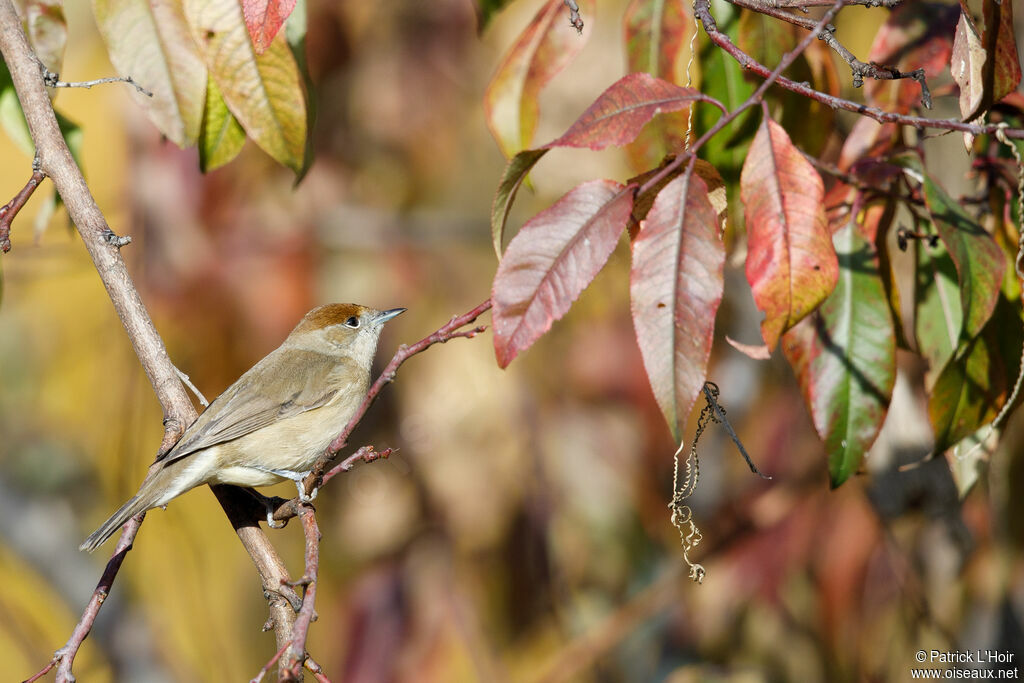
(151, 42)
(488, 9)
(264, 92)
(515, 172)
(938, 313)
(974, 383)
(722, 78)
(221, 137)
(978, 259)
(13, 121)
(844, 357)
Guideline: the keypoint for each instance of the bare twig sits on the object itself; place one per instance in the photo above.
(195, 390)
(574, 15)
(317, 670)
(266, 667)
(9, 210)
(861, 70)
(446, 332)
(52, 80)
(292, 668)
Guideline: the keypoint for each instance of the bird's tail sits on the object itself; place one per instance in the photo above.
(140, 502)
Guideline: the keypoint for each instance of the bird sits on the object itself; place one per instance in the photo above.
(276, 419)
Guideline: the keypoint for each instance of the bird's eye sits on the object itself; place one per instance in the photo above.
(352, 322)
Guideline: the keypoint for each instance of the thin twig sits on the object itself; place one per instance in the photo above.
(195, 390)
(292, 668)
(827, 35)
(448, 331)
(317, 670)
(9, 210)
(52, 80)
(66, 655)
(574, 15)
(266, 667)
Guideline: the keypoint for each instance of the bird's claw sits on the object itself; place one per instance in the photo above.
(303, 498)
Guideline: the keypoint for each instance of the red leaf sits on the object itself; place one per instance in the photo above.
(543, 49)
(1000, 42)
(264, 18)
(844, 358)
(916, 35)
(552, 260)
(791, 263)
(675, 289)
(618, 114)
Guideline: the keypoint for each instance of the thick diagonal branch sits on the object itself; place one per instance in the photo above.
(55, 160)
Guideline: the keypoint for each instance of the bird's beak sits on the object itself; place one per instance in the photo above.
(385, 316)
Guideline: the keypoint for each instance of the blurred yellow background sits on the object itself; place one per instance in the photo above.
(521, 531)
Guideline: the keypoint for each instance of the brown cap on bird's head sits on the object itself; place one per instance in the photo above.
(351, 315)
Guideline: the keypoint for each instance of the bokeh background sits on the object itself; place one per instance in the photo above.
(521, 531)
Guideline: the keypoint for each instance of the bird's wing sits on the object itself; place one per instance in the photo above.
(303, 378)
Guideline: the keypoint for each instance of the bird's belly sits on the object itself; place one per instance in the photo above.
(239, 475)
(292, 445)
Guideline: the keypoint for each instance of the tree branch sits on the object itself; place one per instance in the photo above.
(55, 160)
(827, 35)
(702, 11)
(9, 210)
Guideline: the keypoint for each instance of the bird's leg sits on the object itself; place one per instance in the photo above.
(270, 504)
(297, 477)
(302, 490)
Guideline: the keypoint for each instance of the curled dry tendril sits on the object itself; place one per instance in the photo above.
(682, 516)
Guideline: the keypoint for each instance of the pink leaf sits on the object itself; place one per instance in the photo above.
(791, 263)
(754, 351)
(618, 114)
(264, 18)
(675, 289)
(552, 259)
